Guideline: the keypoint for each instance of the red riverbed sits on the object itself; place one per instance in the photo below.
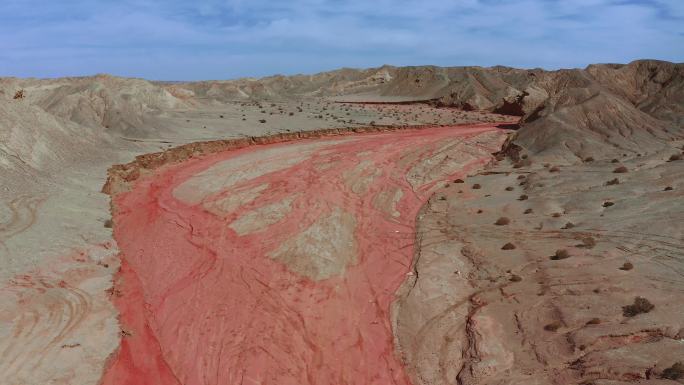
(202, 304)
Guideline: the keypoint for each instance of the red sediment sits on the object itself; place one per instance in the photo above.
(202, 305)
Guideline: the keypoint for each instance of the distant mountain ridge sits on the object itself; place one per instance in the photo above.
(570, 112)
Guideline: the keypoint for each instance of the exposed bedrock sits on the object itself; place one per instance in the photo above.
(549, 275)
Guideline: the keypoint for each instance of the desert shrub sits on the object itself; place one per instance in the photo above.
(477, 186)
(640, 306)
(608, 204)
(614, 161)
(528, 211)
(262, 120)
(556, 215)
(459, 180)
(589, 159)
(515, 278)
(588, 242)
(621, 170)
(553, 326)
(568, 225)
(19, 94)
(674, 372)
(509, 188)
(523, 197)
(108, 223)
(554, 169)
(560, 254)
(612, 182)
(521, 177)
(668, 188)
(508, 246)
(502, 221)
(627, 266)
(675, 157)
(479, 211)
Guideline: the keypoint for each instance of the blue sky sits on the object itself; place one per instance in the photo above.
(221, 39)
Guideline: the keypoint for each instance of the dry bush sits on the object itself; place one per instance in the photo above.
(19, 94)
(589, 159)
(560, 254)
(477, 186)
(674, 372)
(509, 188)
(608, 204)
(459, 180)
(508, 246)
(521, 177)
(614, 161)
(515, 278)
(640, 306)
(627, 266)
(108, 223)
(554, 169)
(612, 182)
(528, 211)
(621, 170)
(668, 188)
(502, 221)
(556, 215)
(262, 120)
(568, 225)
(588, 242)
(553, 326)
(675, 157)
(523, 197)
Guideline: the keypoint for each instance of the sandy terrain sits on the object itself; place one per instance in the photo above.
(292, 286)
(471, 311)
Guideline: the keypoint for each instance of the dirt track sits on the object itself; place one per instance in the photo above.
(223, 278)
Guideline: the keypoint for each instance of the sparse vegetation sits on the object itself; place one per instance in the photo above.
(568, 225)
(508, 246)
(108, 223)
(621, 170)
(515, 278)
(674, 372)
(640, 306)
(560, 254)
(668, 188)
(627, 266)
(523, 197)
(553, 326)
(502, 221)
(588, 242)
(509, 188)
(608, 204)
(528, 211)
(675, 157)
(612, 182)
(554, 169)
(589, 159)
(19, 94)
